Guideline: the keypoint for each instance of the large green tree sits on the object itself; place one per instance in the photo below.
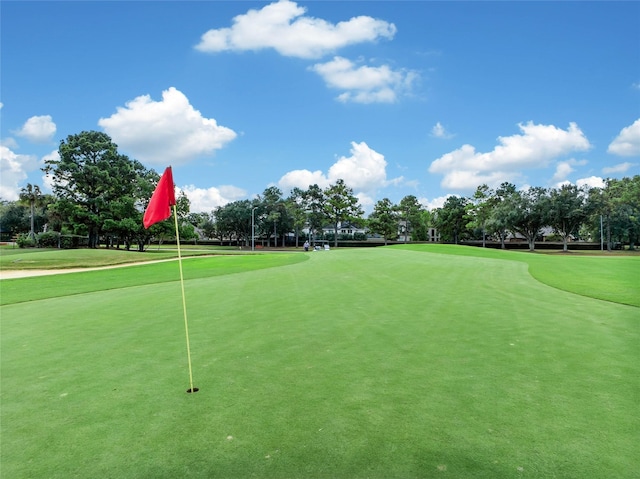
(313, 203)
(498, 222)
(568, 209)
(341, 206)
(409, 210)
(384, 220)
(630, 199)
(90, 176)
(621, 200)
(451, 219)
(479, 210)
(14, 218)
(420, 230)
(277, 220)
(528, 213)
(295, 207)
(233, 220)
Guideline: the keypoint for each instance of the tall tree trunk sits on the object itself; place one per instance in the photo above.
(32, 233)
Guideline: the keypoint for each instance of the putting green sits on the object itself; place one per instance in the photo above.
(376, 363)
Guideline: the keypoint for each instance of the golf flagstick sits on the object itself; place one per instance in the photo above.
(184, 304)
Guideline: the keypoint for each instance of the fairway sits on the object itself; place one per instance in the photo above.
(390, 362)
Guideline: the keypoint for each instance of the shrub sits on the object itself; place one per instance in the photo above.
(73, 241)
(25, 241)
(50, 239)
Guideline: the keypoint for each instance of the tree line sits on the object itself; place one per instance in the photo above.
(99, 196)
(610, 214)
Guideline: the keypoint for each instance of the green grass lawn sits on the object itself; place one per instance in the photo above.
(611, 278)
(389, 362)
(44, 258)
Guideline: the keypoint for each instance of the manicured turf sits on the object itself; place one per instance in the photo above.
(381, 363)
(611, 278)
(45, 258)
(42, 287)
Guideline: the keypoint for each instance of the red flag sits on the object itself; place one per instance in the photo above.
(163, 198)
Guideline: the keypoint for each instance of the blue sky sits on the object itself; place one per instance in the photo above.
(397, 98)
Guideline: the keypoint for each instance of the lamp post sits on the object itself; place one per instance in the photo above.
(253, 235)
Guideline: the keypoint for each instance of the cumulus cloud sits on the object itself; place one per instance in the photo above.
(592, 182)
(9, 143)
(627, 143)
(47, 179)
(364, 84)
(364, 171)
(434, 203)
(38, 129)
(303, 179)
(284, 27)
(439, 131)
(564, 168)
(13, 171)
(619, 168)
(164, 132)
(205, 200)
(535, 147)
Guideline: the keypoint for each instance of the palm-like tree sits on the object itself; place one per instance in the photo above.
(32, 195)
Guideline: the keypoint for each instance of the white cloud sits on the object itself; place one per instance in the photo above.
(47, 179)
(619, 168)
(627, 143)
(284, 27)
(364, 171)
(366, 202)
(434, 203)
(38, 129)
(592, 181)
(13, 171)
(303, 179)
(562, 171)
(205, 200)
(465, 168)
(564, 168)
(470, 180)
(9, 143)
(439, 131)
(364, 84)
(165, 132)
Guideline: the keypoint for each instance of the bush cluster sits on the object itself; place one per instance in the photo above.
(25, 241)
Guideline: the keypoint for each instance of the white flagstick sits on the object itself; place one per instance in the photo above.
(184, 303)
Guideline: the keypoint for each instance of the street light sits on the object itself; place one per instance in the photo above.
(253, 235)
